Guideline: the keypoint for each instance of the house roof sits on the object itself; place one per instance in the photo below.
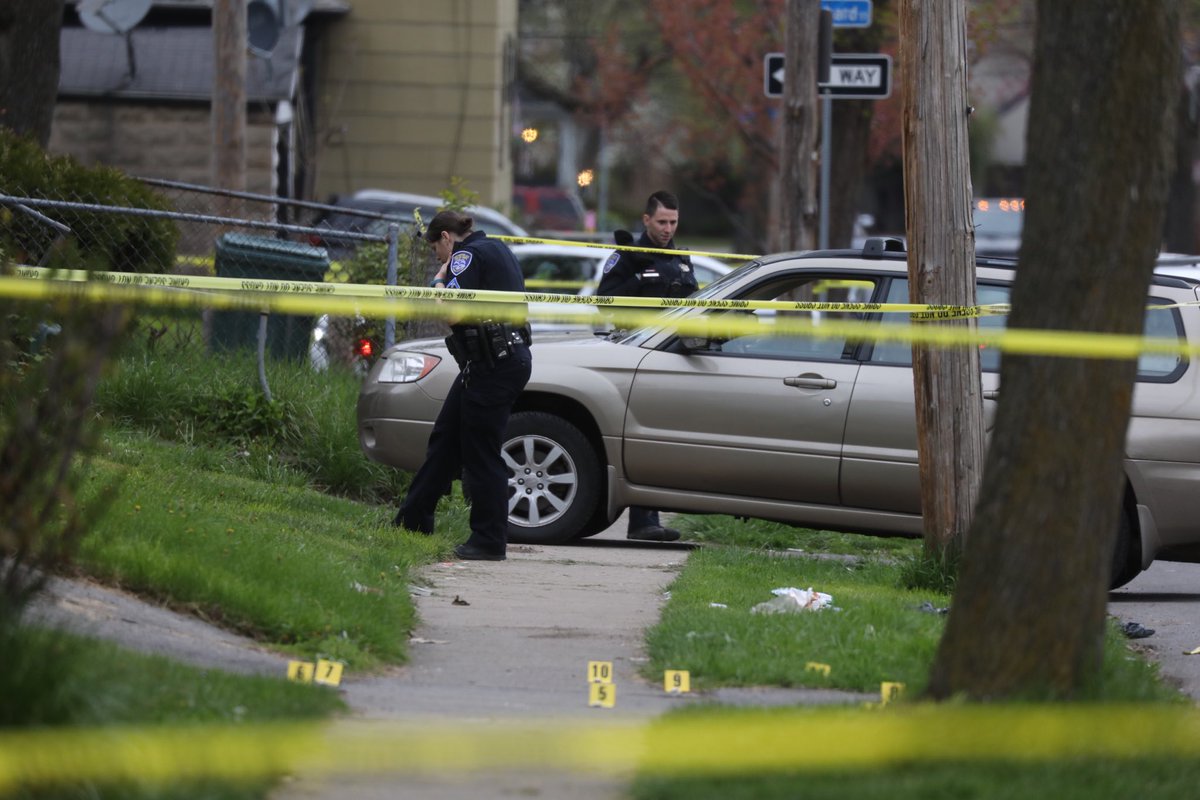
(174, 63)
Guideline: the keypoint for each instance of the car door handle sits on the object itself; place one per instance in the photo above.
(810, 381)
(991, 394)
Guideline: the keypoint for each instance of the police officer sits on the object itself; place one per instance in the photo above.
(631, 274)
(494, 362)
(650, 275)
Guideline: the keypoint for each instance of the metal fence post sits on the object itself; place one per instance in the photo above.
(393, 236)
(262, 355)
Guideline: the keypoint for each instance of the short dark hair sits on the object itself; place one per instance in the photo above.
(454, 221)
(661, 199)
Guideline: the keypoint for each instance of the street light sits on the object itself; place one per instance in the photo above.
(584, 178)
(529, 135)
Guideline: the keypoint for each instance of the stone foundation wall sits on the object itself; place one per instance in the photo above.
(151, 140)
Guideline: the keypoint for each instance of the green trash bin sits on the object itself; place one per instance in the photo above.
(241, 255)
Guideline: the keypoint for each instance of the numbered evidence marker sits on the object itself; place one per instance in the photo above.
(301, 671)
(890, 691)
(600, 672)
(324, 672)
(602, 695)
(817, 666)
(677, 681)
(328, 673)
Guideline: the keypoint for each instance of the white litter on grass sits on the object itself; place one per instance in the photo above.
(790, 600)
(717, 605)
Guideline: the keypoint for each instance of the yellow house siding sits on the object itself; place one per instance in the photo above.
(412, 94)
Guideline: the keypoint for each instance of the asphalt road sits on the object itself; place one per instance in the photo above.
(1166, 599)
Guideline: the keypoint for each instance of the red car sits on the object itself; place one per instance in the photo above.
(548, 208)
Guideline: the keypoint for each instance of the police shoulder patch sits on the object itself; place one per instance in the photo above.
(611, 262)
(460, 261)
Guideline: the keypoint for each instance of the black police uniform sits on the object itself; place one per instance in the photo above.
(495, 363)
(631, 274)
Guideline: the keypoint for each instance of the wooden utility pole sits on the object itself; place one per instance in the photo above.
(941, 263)
(229, 100)
(798, 138)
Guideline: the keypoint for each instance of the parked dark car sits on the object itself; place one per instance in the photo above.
(395, 207)
(548, 208)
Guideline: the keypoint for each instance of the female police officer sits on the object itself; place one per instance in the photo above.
(494, 360)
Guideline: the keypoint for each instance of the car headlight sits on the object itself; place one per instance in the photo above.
(407, 367)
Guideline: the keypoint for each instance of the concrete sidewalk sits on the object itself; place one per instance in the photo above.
(513, 639)
(503, 641)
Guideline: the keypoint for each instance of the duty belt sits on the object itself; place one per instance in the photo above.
(487, 342)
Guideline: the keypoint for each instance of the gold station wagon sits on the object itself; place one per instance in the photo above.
(817, 432)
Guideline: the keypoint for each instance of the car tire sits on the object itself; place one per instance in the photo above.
(599, 522)
(554, 478)
(1127, 562)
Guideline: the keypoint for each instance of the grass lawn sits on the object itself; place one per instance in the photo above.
(874, 633)
(312, 574)
(880, 634)
(56, 679)
(214, 531)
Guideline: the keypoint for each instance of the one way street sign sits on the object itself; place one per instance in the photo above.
(851, 75)
(858, 76)
(773, 74)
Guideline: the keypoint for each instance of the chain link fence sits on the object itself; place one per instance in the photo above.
(198, 230)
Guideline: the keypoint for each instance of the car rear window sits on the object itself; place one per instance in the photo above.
(1163, 323)
(1152, 367)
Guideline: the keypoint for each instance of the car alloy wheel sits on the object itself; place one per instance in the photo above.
(554, 478)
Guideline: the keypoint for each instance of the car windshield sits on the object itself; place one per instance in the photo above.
(348, 220)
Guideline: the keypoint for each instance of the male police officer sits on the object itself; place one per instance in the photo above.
(495, 364)
(632, 274)
(650, 275)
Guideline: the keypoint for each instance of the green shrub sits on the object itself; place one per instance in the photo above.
(307, 435)
(243, 413)
(98, 240)
(414, 264)
(47, 429)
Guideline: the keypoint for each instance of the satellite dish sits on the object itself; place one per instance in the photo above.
(112, 16)
(263, 25)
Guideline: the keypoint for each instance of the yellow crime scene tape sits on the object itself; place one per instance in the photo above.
(413, 303)
(208, 261)
(749, 742)
(623, 247)
(472, 295)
